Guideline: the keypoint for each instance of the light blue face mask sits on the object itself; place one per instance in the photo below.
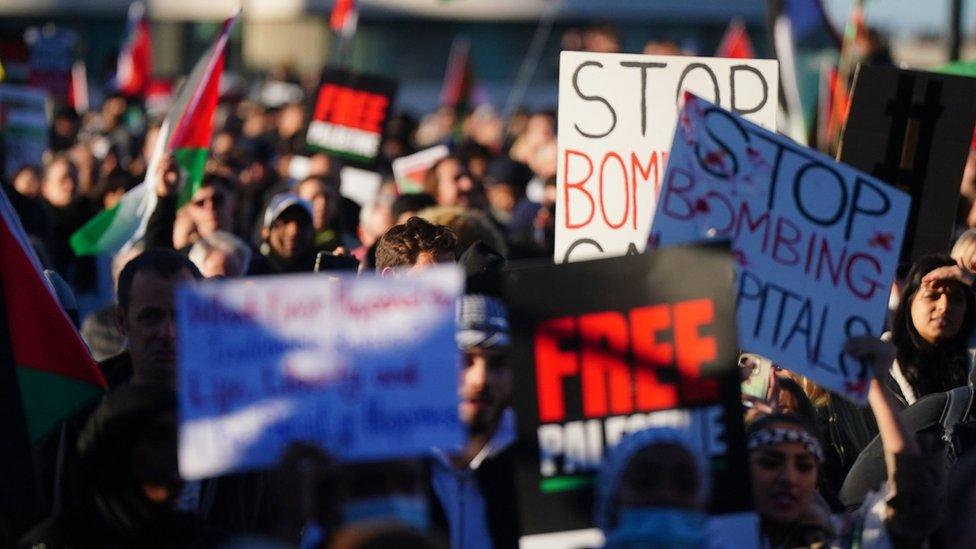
(658, 527)
(410, 510)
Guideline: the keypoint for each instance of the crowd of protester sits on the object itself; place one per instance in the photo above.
(823, 472)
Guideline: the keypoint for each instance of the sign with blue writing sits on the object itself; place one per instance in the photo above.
(815, 242)
(367, 368)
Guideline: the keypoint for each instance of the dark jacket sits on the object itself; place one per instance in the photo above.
(496, 481)
(869, 470)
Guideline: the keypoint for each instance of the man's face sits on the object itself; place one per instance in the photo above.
(149, 324)
(452, 182)
(210, 210)
(486, 384)
(291, 234)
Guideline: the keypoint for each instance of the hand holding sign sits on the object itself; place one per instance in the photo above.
(815, 242)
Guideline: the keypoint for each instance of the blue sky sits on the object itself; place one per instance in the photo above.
(906, 17)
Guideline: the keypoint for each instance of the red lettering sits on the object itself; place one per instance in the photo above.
(374, 113)
(605, 342)
(604, 345)
(603, 200)
(745, 215)
(650, 355)
(783, 241)
(635, 168)
(351, 108)
(326, 101)
(693, 350)
(552, 365)
(578, 185)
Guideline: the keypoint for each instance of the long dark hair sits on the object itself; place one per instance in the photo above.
(930, 368)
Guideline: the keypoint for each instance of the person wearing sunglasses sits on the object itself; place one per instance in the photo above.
(210, 209)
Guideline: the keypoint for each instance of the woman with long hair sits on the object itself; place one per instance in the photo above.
(786, 459)
(930, 330)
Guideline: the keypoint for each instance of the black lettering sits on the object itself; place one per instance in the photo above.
(765, 89)
(643, 90)
(716, 98)
(581, 242)
(597, 98)
(798, 178)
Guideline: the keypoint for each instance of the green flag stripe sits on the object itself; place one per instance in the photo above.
(50, 399)
(87, 239)
(193, 162)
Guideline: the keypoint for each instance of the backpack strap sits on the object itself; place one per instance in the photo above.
(959, 403)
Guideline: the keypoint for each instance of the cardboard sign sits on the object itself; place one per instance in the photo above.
(816, 242)
(410, 171)
(616, 121)
(365, 367)
(23, 128)
(913, 130)
(350, 114)
(360, 186)
(659, 349)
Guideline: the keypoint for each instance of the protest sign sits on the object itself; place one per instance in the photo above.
(351, 110)
(410, 171)
(913, 130)
(23, 128)
(616, 120)
(51, 56)
(358, 185)
(366, 367)
(816, 242)
(660, 349)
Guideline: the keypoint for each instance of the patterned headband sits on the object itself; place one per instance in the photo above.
(777, 435)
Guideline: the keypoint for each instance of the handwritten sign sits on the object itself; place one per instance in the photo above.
(660, 350)
(816, 242)
(350, 114)
(367, 368)
(616, 121)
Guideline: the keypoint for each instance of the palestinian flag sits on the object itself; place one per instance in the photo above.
(186, 133)
(135, 60)
(735, 43)
(461, 91)
(344, 18)
(46, 371)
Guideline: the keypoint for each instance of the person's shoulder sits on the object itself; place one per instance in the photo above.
(117, 369)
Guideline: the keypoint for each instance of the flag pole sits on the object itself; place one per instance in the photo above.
(531, 61)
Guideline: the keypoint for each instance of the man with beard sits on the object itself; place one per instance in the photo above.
(478, 482)
(288, 236)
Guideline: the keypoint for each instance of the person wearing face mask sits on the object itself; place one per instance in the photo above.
(930, 330)
(785, 459)
(651, 492)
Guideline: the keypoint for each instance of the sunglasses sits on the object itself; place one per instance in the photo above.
(217, 200)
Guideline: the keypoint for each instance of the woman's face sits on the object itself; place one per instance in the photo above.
(938, 311)
(784, 478)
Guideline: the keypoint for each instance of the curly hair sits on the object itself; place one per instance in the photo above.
(403, 244)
